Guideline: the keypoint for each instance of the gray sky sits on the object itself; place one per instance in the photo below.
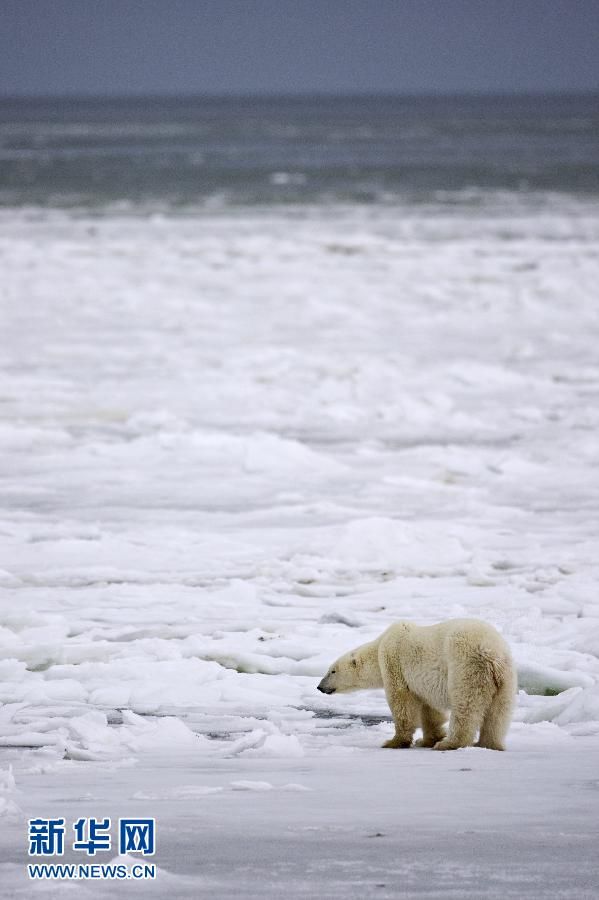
(291, 46)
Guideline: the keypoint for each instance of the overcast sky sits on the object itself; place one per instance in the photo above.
(291, 46)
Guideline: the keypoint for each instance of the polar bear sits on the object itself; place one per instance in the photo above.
(462, 665)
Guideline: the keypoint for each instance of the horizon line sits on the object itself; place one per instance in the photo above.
(296, 95)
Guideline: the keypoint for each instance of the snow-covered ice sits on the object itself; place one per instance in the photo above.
(233, 447)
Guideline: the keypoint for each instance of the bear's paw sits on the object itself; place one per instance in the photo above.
(396, 743)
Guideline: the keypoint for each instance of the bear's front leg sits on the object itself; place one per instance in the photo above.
(405, 710)
(404, 706)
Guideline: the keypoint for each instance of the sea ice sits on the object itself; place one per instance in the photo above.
(230, 453)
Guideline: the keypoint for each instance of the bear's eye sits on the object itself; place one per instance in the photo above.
(354, 663)
(333, 671)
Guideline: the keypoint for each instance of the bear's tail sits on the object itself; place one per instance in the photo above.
(500, 668)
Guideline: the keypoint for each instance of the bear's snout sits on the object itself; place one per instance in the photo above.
(324, 689)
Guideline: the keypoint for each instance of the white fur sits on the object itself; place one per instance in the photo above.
(463, 666)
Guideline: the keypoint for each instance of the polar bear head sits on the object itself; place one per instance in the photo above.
(354, 671)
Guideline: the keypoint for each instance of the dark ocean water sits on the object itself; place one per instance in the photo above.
(187, 152)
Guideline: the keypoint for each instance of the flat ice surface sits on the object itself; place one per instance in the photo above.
(368, 823)
(234, 447)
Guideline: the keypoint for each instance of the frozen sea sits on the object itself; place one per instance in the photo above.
(243, 434)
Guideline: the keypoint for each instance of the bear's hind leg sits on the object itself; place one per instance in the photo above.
(470, 693)
(432, 723)
(498, 717)
(463, 726)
